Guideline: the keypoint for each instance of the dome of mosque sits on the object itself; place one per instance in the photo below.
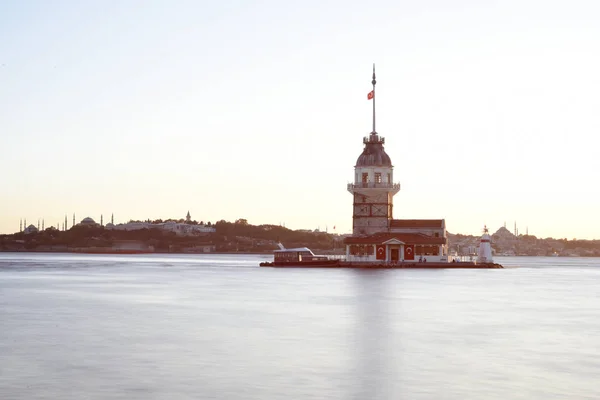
(87, 221)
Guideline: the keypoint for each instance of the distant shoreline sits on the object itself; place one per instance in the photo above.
(266, 253)
(131, 252)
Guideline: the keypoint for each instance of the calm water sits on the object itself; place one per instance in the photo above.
(219, 327)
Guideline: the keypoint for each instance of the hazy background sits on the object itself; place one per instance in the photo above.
(257, 109)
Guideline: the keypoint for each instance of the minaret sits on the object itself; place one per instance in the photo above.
(21, 225)
(485, 248)
(101, 220)
(112, 218)
(43, 224)
(25, 224)
(65, 223)
(73, 220)
(373, 188)
(38, 224)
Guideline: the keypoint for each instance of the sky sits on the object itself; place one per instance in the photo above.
(257, 110)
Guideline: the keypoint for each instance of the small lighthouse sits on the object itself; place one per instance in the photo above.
(485, 248)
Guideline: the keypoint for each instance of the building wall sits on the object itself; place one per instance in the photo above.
(442, 257)
(373, 199)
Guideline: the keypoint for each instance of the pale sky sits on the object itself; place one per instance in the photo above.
(257, 109)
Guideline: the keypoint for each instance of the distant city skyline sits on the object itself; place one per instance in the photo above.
(23, 223)
(489, 111)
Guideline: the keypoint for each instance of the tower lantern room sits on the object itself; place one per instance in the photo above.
(373, 188)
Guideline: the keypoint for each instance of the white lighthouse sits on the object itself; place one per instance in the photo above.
(485, 248)
(373, 188)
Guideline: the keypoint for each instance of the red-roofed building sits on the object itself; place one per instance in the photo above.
(403, 240)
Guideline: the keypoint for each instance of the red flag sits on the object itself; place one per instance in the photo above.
(409, 252)
(380, 252)
(371, 95)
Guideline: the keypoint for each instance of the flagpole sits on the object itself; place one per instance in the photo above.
(374, 82)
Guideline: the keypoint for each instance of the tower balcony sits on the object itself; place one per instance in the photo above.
(384, 187)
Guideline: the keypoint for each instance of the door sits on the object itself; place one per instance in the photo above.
(394, 255)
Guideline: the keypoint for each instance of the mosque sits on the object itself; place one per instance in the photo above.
(376, 235)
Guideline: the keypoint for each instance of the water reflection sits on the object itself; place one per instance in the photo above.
(374, 348)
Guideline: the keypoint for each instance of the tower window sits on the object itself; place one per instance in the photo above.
(365, 177)
(377, 177)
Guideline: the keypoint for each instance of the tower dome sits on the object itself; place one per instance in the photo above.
(374, 154)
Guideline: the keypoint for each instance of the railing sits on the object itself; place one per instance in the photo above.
(373, 139)
(469, 258)
(373, 185)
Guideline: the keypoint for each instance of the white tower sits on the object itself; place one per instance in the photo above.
(485, 248)
(373, 188)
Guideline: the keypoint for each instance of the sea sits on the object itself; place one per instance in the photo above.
(210, 326)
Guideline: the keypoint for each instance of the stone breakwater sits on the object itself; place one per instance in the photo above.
(347, 264)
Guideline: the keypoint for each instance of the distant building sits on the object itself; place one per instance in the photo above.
(30, 229)
(89, 222)
(180, 229)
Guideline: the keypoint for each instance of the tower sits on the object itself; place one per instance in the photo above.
(188, 217)
(43, 224)
(73, 220)
(65, 224)
(101, 220)
(484, 254)
(373, 188)
(112, 218)
(20, 225)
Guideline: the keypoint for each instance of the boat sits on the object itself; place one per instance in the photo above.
(299, 257)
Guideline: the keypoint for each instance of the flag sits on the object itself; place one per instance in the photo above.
(409, 252)
(380, 252)
(371, 95)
